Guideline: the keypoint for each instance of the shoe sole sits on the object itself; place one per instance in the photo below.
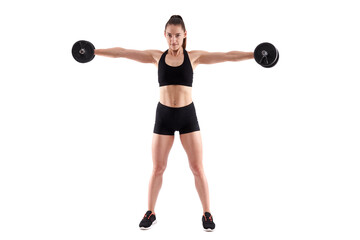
(208, 230)
(144, 228)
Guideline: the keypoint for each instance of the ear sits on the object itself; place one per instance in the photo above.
(185, 34)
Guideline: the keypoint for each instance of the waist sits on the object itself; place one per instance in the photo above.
(176, 108)
(175, 95)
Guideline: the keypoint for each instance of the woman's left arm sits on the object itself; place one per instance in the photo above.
(204, 57)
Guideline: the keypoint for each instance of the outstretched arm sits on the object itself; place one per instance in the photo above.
(204, 57)
(146, 56)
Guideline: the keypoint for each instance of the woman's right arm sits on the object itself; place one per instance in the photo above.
(146, 56)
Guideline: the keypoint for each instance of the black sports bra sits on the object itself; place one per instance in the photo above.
(179, 75)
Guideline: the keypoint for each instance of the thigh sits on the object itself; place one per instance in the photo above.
(192, 144)
(161, 146)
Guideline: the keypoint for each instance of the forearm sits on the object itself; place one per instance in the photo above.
(239, 56)
(109, 52)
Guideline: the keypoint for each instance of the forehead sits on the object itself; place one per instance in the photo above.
(174, 29)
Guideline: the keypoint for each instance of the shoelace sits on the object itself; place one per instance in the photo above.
(148, 216)
(210, 218)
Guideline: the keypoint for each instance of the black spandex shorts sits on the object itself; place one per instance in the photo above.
(170, 119)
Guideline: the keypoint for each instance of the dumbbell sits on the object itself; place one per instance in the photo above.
(266, 55)
(83, 51)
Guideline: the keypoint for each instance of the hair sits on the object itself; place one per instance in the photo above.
(177, 20)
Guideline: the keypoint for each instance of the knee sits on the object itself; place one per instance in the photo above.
(159, 170)
(197, 169)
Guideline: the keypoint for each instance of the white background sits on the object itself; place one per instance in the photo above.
(281, 145)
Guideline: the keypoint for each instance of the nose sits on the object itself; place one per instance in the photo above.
(173, 39)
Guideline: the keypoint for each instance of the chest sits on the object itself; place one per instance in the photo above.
(174, 61)
(178, 61)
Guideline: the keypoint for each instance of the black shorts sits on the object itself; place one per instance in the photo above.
(170, 119)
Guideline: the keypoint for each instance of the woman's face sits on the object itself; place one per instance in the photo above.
(175, 36)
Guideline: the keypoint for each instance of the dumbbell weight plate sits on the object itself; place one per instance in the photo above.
(83, 51)
(270, 58)
(274, 63)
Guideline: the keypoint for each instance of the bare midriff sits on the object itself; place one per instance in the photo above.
(175, 95)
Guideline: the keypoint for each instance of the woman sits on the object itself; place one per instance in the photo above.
(175, 110)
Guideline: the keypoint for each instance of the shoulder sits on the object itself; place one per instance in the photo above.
(196, 54)
(156, 54)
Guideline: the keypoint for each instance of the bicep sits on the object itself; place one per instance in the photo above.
(205, 57)
(143, 56)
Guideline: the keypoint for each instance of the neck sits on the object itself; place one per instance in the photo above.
(177, 52)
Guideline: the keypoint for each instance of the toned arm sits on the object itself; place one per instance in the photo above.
(145, 56)
(204, 57)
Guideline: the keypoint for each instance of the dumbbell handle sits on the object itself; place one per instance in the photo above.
(264, 56)
(82, 51)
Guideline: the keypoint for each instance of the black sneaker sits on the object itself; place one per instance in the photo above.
(208, 222)
(148, 220)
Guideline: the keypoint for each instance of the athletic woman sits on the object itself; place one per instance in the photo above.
(175, 110)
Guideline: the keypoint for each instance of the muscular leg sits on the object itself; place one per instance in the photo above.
(161, 145)
(193, 146)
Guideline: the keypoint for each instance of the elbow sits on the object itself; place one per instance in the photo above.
(233, 56)
(118, 52)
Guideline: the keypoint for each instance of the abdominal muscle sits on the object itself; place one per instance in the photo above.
(175, 95)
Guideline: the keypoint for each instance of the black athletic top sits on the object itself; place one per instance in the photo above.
(179, 75)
